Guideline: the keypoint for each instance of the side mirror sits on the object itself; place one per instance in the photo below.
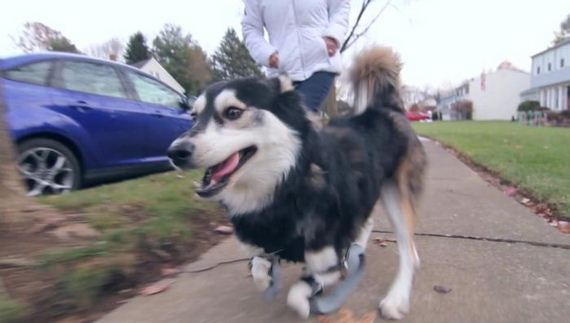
(186, 103)
(183, 104)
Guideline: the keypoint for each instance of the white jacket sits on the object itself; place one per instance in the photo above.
(296, 29)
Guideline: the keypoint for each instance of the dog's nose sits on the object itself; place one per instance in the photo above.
(181, 152)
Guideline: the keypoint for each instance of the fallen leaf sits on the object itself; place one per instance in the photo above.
(169, 271)
(510, 191)
(382, 242)
(564, 226)
(554, 223)
(441, 289)
(154, 288)
(526, 201)
(224, 229)
(347, 316)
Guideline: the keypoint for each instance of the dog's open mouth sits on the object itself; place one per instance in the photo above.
(218, 176)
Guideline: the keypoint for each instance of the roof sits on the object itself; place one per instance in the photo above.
(142, 63)
(562, 43)
(530, 91)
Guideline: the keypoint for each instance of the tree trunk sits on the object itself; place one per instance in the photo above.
(329, 106)
(15, 206)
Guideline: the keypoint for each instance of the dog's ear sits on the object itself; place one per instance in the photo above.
(281, 84)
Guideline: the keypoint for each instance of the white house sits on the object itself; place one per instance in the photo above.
(152, 67)
(495, 95)
(550, 80)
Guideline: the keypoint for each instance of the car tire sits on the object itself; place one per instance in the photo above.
(48, 167)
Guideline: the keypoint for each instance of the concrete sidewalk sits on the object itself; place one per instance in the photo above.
(490, 281)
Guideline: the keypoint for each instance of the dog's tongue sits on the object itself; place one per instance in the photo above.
(225, 168)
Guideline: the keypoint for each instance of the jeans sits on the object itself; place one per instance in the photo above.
(315, 89)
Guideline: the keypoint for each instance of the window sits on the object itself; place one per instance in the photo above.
(549, 66)
(91, 78)
(35, 73)
(538, 70)
(151, 91)
(562, 62)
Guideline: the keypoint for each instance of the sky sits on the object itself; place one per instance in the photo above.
(441, 42)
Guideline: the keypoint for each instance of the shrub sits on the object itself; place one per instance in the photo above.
(528, 106)
(565, 114)
(559, 119)
(463, 109)
(12, 311)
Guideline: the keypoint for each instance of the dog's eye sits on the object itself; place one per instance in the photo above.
(232, 113)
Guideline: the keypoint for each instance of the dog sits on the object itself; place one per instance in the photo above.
(304, 193)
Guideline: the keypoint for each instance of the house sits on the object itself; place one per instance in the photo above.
(413, 96)
(152, 67)
(495, 95)
(550, 79)
(447, 99)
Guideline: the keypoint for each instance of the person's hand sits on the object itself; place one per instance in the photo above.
(332, 45)
(274, 60)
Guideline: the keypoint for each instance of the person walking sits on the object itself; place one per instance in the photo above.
(304, 38)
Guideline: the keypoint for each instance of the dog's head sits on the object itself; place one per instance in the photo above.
(247, 134)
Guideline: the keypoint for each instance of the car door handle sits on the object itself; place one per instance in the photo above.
(158, 114)
(81, 106)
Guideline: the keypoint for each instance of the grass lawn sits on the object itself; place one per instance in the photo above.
(535, 158)
(143, 224)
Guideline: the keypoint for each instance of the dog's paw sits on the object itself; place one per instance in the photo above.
(260, 268)
(298, 299)
(394, 307)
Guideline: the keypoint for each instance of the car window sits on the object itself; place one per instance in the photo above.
(152, 91)
(91, 78)
(35, 73)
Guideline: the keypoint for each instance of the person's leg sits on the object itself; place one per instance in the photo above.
(315, 89)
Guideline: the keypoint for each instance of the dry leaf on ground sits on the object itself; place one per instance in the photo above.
(347, 316)
(224, 229)
(155, 288)
(564, 226)
(510, 191)
(441, 289)
(169, 271)
(382, 242)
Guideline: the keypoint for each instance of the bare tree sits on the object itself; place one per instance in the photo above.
(15, 207)
(359, 28)
(111, 49)
(11, 189)
(37, 36)
(564, 33)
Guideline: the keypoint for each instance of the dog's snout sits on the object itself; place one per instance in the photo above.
(181, 152)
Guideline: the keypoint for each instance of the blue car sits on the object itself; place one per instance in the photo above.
(76, 119)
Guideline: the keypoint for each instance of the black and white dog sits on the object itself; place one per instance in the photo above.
(306, 193)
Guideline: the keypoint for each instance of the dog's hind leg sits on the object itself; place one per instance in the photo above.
(398, 202)
(366, 230)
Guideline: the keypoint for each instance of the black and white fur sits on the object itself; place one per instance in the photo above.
(306, 193)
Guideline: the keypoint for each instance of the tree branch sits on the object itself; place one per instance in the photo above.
(365, 4)
(355, 37)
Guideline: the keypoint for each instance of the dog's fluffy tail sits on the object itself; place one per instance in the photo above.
(375, 78)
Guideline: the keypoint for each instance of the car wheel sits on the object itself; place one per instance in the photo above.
(48, 167)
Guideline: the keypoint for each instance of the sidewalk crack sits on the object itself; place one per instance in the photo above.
(501, 240)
